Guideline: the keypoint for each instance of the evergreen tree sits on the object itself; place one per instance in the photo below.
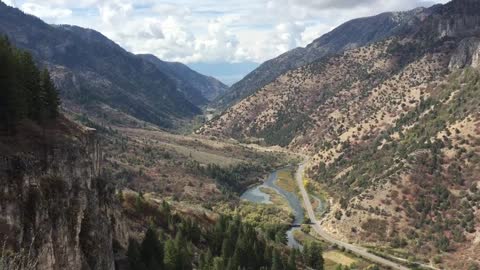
(218, 263)
(135, 260)
(30, 77)
(12, 97)
(170, 255)
(268, 256)
(227, 248)
(152, 250)
(24, 91)
(51, 99)
(277, 261)
(183, 260)
(292, 260)
(313, 255)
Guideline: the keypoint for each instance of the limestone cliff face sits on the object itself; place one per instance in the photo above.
(467, 54)
(54, 202)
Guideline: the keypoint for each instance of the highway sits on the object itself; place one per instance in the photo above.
(359, 251)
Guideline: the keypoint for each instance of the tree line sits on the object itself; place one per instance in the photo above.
(228, 245)
(234, 178)
(26, 92)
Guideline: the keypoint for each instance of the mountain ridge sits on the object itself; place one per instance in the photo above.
(351, 34)
(99, 78)
(206, 87)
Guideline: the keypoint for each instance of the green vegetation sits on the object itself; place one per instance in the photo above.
(312, 255)
(235, 178)
(177, 243)
(439, 218)
(286, 180)
(285, 128)
(258, 215)
(26, 91)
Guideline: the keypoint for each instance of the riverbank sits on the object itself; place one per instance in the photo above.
(262, 194)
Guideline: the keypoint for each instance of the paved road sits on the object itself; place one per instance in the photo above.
(360, 251)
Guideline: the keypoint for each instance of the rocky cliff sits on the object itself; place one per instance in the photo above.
(55, 205)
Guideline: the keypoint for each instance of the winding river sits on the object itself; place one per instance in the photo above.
(257, 196)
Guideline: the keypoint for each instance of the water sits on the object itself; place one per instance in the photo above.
(257, 196)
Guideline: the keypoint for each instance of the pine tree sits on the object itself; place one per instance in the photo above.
(268, 256)
(51, 99)
(152, 250)
(13, 107)
(218, 263)
(206, 260)
(227, 248)
(135, 261)
(24, 91)
(313, 255)
(292, 260)
(170, 255)
(277, 261)
(30, 78)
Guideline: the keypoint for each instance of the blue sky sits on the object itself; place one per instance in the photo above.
(209, 32)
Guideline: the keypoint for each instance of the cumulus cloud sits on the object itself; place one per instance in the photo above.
(44, 11)
(10, 3)
(210, 30)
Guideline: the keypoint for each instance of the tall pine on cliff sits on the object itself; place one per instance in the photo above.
(25, 91)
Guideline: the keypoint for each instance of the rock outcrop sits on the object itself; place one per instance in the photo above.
(467, 54)
(54, 202)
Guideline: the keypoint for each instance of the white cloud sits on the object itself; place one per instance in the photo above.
(210, 30)
(46, 12)
(10, 3)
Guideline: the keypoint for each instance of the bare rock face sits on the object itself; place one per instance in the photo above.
(467, 54)
(55, 205)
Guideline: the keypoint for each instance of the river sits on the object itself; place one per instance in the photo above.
(257, 196)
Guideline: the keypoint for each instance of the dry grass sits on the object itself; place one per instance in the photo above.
(286, 180)
(339, 258)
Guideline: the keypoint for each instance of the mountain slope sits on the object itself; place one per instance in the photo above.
(95, 75)
(392, 128)
(352, 34)
(197, 88)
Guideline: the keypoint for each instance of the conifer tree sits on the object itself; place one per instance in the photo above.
(135, 260)
(277, 261)
(313, 255)
(170, 255)
(51, 99)
(292, 260)
(152, 250)
(25, 92)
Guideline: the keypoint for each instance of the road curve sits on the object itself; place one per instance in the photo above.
(360, 251)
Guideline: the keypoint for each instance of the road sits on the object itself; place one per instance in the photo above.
(360, 251)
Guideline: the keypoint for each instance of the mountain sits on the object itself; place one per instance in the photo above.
(99, 78)
(393, 130)
(352, 34)
(199, 89)
(228, 73)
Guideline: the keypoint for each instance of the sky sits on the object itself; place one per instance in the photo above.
(211, 33)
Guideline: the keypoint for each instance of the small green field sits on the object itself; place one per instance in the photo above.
(333, 256)
(277, 199)
(286, 180)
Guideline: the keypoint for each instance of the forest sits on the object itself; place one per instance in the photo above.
(26, 91)
(174, 242)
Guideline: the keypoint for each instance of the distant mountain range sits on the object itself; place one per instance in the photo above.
(99, 78)
(352, 34)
